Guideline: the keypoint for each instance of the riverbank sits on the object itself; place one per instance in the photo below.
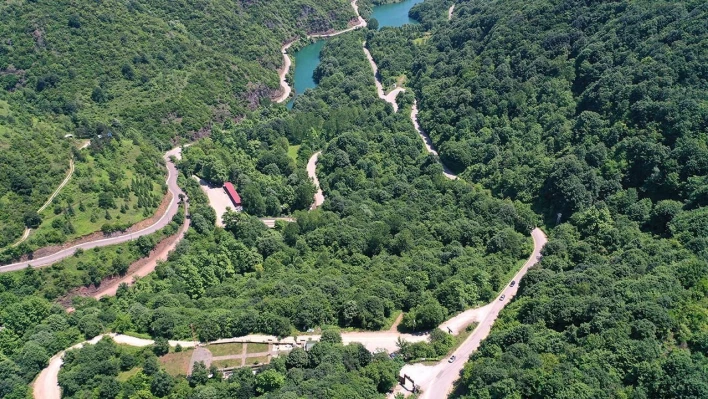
(285, 88)
(283, 73)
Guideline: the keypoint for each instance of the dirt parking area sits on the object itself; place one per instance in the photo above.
(217, 199)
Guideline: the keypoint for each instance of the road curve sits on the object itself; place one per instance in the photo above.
(285, 88)
(360, 24)
(165, 219)
(437, 381)
(428, 142)
(391, 96)
(312, 172)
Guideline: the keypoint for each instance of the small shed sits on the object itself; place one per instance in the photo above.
(233, 195)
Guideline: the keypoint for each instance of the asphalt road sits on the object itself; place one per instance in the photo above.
(437, 381)
(162, 222)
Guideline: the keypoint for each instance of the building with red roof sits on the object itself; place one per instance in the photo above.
(233, 194)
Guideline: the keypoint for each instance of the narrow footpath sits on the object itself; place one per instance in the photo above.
(27, 231)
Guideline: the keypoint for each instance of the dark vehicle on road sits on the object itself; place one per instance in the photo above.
(513, 283)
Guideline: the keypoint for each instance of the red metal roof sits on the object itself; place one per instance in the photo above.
(231, 191)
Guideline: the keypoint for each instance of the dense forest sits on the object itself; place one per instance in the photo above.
(586, 117)
(594, 112)
(389, 238)
(328, 370)
(145, 69)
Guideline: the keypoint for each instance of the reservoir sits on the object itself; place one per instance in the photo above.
(395, 14)
(306, 60)
(308, 57)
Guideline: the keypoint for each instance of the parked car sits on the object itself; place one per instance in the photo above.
(452, 359)
(501, 298)
(513, 283)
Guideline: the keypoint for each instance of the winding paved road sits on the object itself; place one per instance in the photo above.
(165, 219)
(437, 381)
(434, 380)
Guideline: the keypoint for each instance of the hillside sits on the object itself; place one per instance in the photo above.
(595, 113)
(145, 70)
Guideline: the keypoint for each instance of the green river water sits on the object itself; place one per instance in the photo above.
(307, 58)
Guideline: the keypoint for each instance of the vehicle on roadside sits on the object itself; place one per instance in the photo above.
(452, 359)
(501, 298)
(513, 283)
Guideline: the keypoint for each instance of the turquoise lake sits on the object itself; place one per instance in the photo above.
(307, 58)
(395, 14)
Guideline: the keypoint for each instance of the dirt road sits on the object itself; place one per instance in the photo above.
(285, 88)
(312, 172)
(428, 142)
(171, 210)
(437, 381)
(283, 72)
(391, 96)
(360, 24)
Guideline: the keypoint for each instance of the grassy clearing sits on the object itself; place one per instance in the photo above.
(76, 211)
(125, 375)
(258, 360)
(226, 349)
(176, 363)
(256, 348)
(222, 364)
(292, 151)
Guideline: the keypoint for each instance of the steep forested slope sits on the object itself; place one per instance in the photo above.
(142, 69)
(566, 103)
(394, 235)
(595, 112)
